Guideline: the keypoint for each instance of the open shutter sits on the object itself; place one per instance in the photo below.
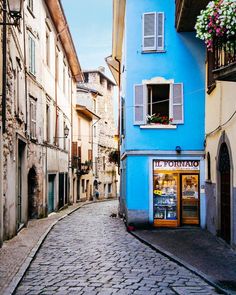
(140, 106)
(177, 107)
(160, 31)
(149, 31)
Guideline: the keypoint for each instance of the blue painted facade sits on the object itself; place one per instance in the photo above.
(182, 61)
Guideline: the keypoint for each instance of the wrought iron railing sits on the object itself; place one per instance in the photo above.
(224, 52)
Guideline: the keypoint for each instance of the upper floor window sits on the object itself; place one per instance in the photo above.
(31, 5)
(33, 118)
(86, 77)
(32, 68)
(48, 48)
(153, 31)
(163, 103)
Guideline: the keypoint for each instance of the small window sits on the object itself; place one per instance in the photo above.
(47, 123)
(158, 103)
(86, 77)
(153, 31)
(33, 118)
(32, 55)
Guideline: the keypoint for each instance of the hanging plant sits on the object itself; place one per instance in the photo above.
(114, 157)
(218, 20)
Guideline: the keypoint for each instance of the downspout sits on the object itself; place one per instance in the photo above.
(26, 80)
(119, 93)
(56, 82)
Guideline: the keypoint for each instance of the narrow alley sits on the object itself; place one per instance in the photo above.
(90, 252)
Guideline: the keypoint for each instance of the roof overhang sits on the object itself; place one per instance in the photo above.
(114, 60)
(84, 89)
(86, 112)
(63, 33)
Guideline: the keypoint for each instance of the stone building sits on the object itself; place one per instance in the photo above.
(103, 132)
(42, 72)
(84, 119)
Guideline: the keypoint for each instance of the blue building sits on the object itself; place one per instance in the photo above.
(161, 75)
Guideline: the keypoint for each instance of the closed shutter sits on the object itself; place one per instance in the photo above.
(177, 108)
(79, 152)
(149, 31)
(74, 154)
(160, 31)
(140, 106)
(90, 155)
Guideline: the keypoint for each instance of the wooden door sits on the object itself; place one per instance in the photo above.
(225, 185)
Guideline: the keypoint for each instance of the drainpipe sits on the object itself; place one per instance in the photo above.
(26, 81)
(119, 92)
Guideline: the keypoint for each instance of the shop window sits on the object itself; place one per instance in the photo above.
(158, 103)
(208, 167)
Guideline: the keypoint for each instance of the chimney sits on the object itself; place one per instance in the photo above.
(101, 69)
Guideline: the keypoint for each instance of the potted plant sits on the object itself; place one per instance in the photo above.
(217, 21)
(158, 119)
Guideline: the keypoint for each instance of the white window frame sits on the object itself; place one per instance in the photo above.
(32, 59)
(33, 118)
(171, 103)
(154, 48)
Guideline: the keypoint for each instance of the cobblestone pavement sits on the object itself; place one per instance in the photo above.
(90, 252)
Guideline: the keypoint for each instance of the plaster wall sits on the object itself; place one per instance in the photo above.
(182, 60)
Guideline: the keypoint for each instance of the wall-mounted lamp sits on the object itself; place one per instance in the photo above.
(178, 149)
(66, 133)
(15, 9)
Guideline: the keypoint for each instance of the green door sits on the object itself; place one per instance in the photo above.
(51, 193)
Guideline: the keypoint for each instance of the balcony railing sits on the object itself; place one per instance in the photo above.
(224, 59)
(186, 12)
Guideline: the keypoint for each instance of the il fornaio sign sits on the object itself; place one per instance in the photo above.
(175, 165)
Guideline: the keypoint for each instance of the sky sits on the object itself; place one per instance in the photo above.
(90, 23)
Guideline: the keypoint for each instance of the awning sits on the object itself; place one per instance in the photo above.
(114, 67)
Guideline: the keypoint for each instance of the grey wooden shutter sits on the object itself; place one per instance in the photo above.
(140, 104)
(160, 31)
(149, 31)
(177, 107)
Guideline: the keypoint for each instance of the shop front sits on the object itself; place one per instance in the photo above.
(176, 192)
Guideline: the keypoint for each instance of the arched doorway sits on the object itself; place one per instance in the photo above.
(32, 194)
(225, 192)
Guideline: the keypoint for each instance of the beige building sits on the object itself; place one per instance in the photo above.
(42, 72)
(105, 173)
(84, 118)
(221, 146)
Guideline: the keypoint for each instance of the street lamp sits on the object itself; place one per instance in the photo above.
(66, 131)
(14, 7)
(14, 10)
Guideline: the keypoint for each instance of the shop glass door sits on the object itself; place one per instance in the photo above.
(165, 199)
(190, 199)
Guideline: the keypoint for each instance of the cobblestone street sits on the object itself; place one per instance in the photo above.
(90, 252)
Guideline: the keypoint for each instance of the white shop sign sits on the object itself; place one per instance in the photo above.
(176, 165)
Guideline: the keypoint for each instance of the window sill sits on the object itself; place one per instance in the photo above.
(153, 51)
(158, 126)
